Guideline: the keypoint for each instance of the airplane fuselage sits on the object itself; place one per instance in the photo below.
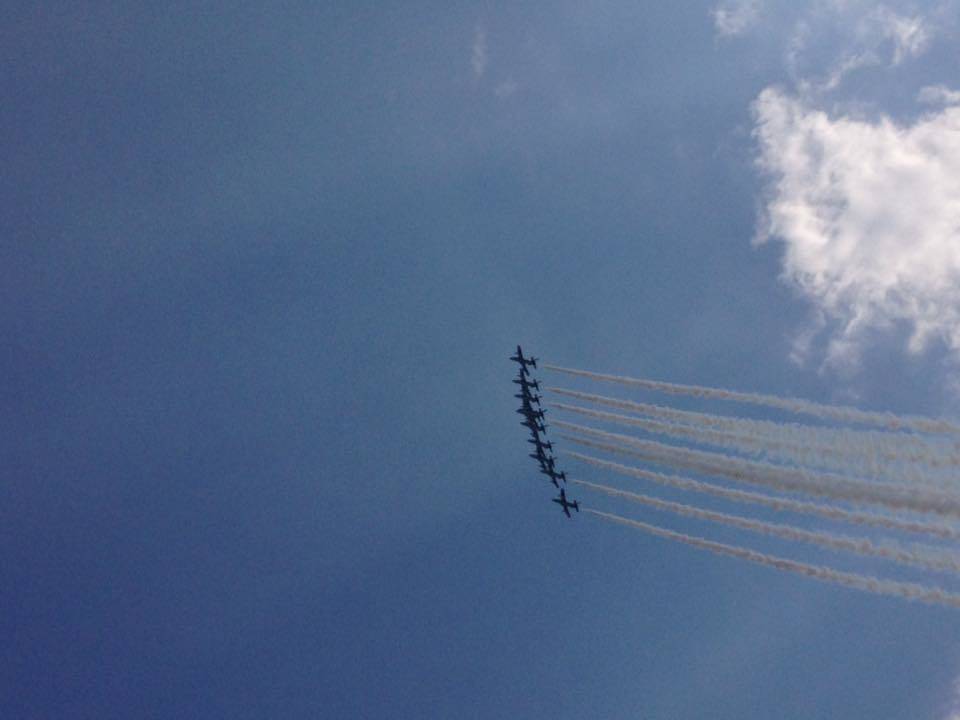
(526, 384)
(553, 474)
(534, 427)
(566, 504)
(531, 413)
(524, 362)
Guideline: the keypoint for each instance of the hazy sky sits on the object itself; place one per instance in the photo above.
(261, 271)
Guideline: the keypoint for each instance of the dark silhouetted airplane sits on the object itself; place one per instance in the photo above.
(566, 504)
(529, 412)
(546, 461)
(534, 426)
(541, 444)
(525, 384)
(524, 362)
(554, 476)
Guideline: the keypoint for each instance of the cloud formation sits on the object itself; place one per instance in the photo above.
(478, 56)
(826, 40)
(908, 35)
(869, 213)
(938, 95)
(953, 711)
(735, 17)
(848, 37)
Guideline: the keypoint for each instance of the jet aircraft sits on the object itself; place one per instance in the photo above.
(531, 413)
(528, 401)
(566, 504)
(534, 417)
(526, 384)
(554, 476)
(534, 426)
(541, 443)
(524, 362)
(546, 461)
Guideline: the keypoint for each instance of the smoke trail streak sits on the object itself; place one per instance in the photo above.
(810, 455)
(869, 444)
(924, 557)
(909, 591)
(794, 405)
(718, 438)
(782, 478)
(779, 504)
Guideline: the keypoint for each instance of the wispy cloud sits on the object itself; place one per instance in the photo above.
(953, 704)
(735, 17)
(938, 95)
(478, 56)
(826, 40)
(910, 35)
(869, 213)
(881, 36)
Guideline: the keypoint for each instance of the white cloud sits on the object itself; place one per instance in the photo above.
(938, 95)
(954, 704)
(844, 67)
(873, 38)
(909, 35)
(735, 17)
(478, 57)
(869, 213)
(826, 40)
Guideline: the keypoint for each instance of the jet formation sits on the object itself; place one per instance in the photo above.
(534, 419)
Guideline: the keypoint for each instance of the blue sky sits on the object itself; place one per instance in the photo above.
(262, 270)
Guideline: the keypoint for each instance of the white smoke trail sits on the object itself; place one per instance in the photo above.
(780, 504)
(789, 479)
(828, 458)
(795, 405)
(924, 557)
(909, 591)
(718, 438)
(868, 444)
